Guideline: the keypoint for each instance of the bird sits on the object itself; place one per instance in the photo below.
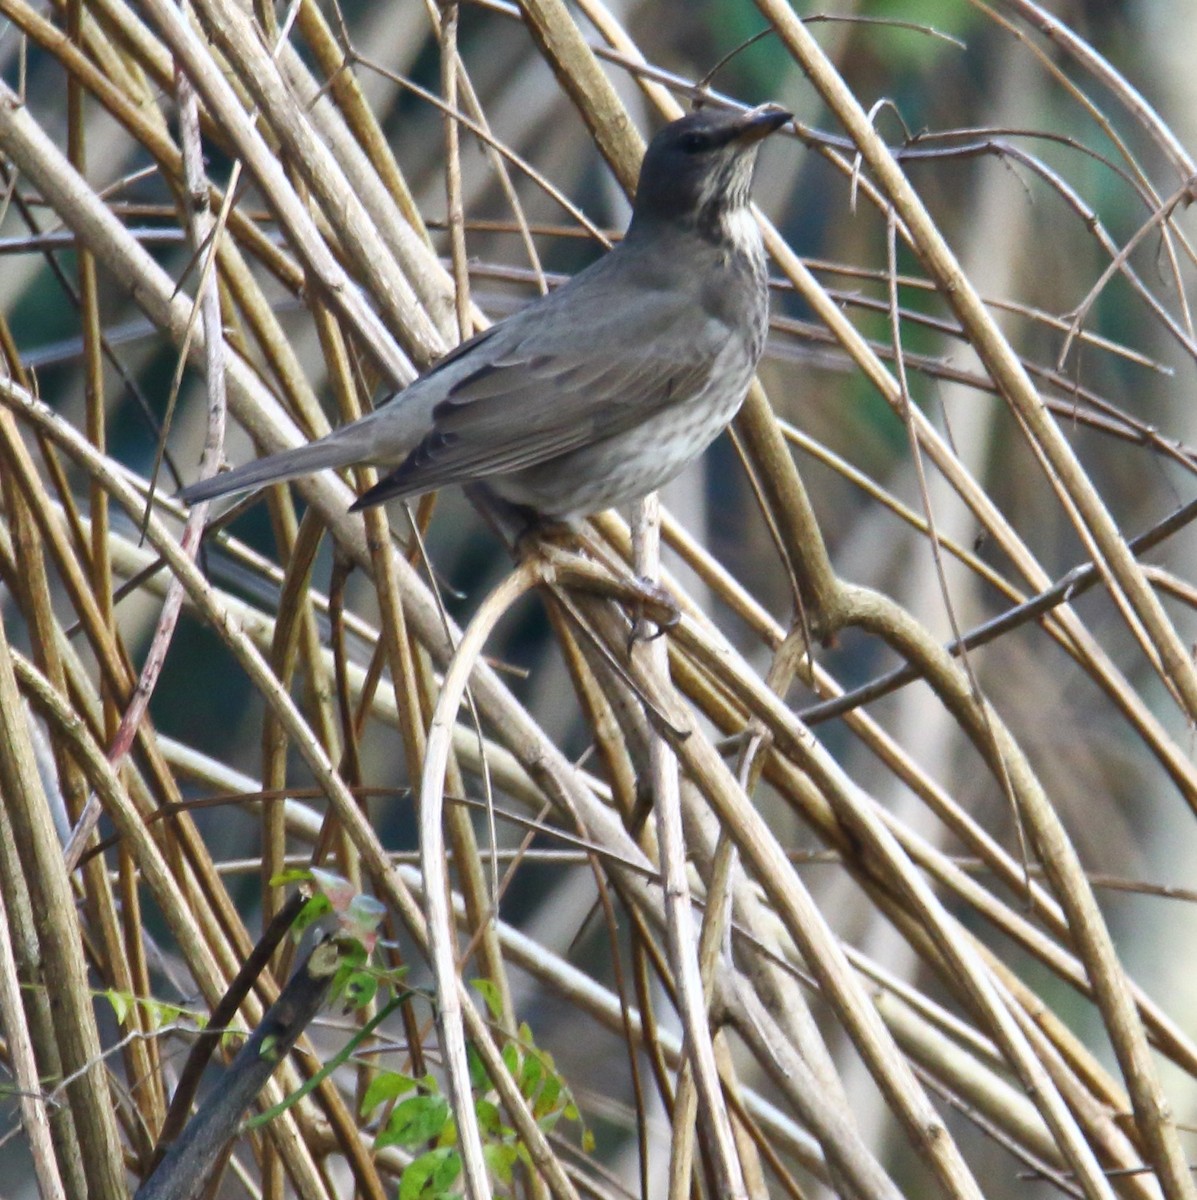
(605, 388)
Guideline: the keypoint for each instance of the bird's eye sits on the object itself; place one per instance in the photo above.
(692, 143)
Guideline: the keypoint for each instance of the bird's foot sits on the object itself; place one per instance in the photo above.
(539, 536)
(652, 607)
(656, 611)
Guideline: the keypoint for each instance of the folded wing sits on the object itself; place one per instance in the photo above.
(556, 380)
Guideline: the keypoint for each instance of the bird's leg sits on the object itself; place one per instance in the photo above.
(560, 545)
(654, 602)
(644, 629)
(564, 546)
(509, 522)
(648, 601)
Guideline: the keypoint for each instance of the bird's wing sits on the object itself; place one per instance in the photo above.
(560, 378)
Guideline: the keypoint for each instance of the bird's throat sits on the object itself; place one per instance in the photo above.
(741, 233)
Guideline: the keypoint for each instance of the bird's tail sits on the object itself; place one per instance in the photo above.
(332, 451)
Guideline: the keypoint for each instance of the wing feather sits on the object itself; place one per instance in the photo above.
(595, 362)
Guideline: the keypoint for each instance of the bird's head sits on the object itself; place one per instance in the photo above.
(697, 171)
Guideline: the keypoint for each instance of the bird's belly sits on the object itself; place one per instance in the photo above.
(626, 466)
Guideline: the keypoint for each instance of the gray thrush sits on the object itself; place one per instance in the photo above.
(603, 390)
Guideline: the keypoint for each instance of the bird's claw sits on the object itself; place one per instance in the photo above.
(656, 611)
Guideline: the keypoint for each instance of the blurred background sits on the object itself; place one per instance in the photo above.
(1037, 166)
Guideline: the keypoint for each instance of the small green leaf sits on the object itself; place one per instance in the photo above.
(313, 909)
(160, 1015)
(291, 875)
(357, 988)
(511, 1059)
(394, 977)
(430, 1176)
(490, 994)
(501, 1159)
(588, 1141)
(386, 1085)
(530, 1074)
(479, 1079)
(489, 1118)
(120, 1004)
(352, 952)
(414, 1120)
(546, 1102)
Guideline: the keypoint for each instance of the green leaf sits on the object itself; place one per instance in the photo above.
(479, 1079)
(313, 909)
(489, 1118)
(386, 1085)
(511, 1059)
(159, 1014)
(394, 976)
(431, 1175)
(356, 989)
(291, 875)
(352, 952)
(500, 1159)
(530, 1074)
(546, 1102)
(490, 994)
(414, 1120)
(120, 1004)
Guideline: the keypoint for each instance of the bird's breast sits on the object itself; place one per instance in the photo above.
(735, 294)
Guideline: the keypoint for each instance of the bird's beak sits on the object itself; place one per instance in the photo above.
(759, 122)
